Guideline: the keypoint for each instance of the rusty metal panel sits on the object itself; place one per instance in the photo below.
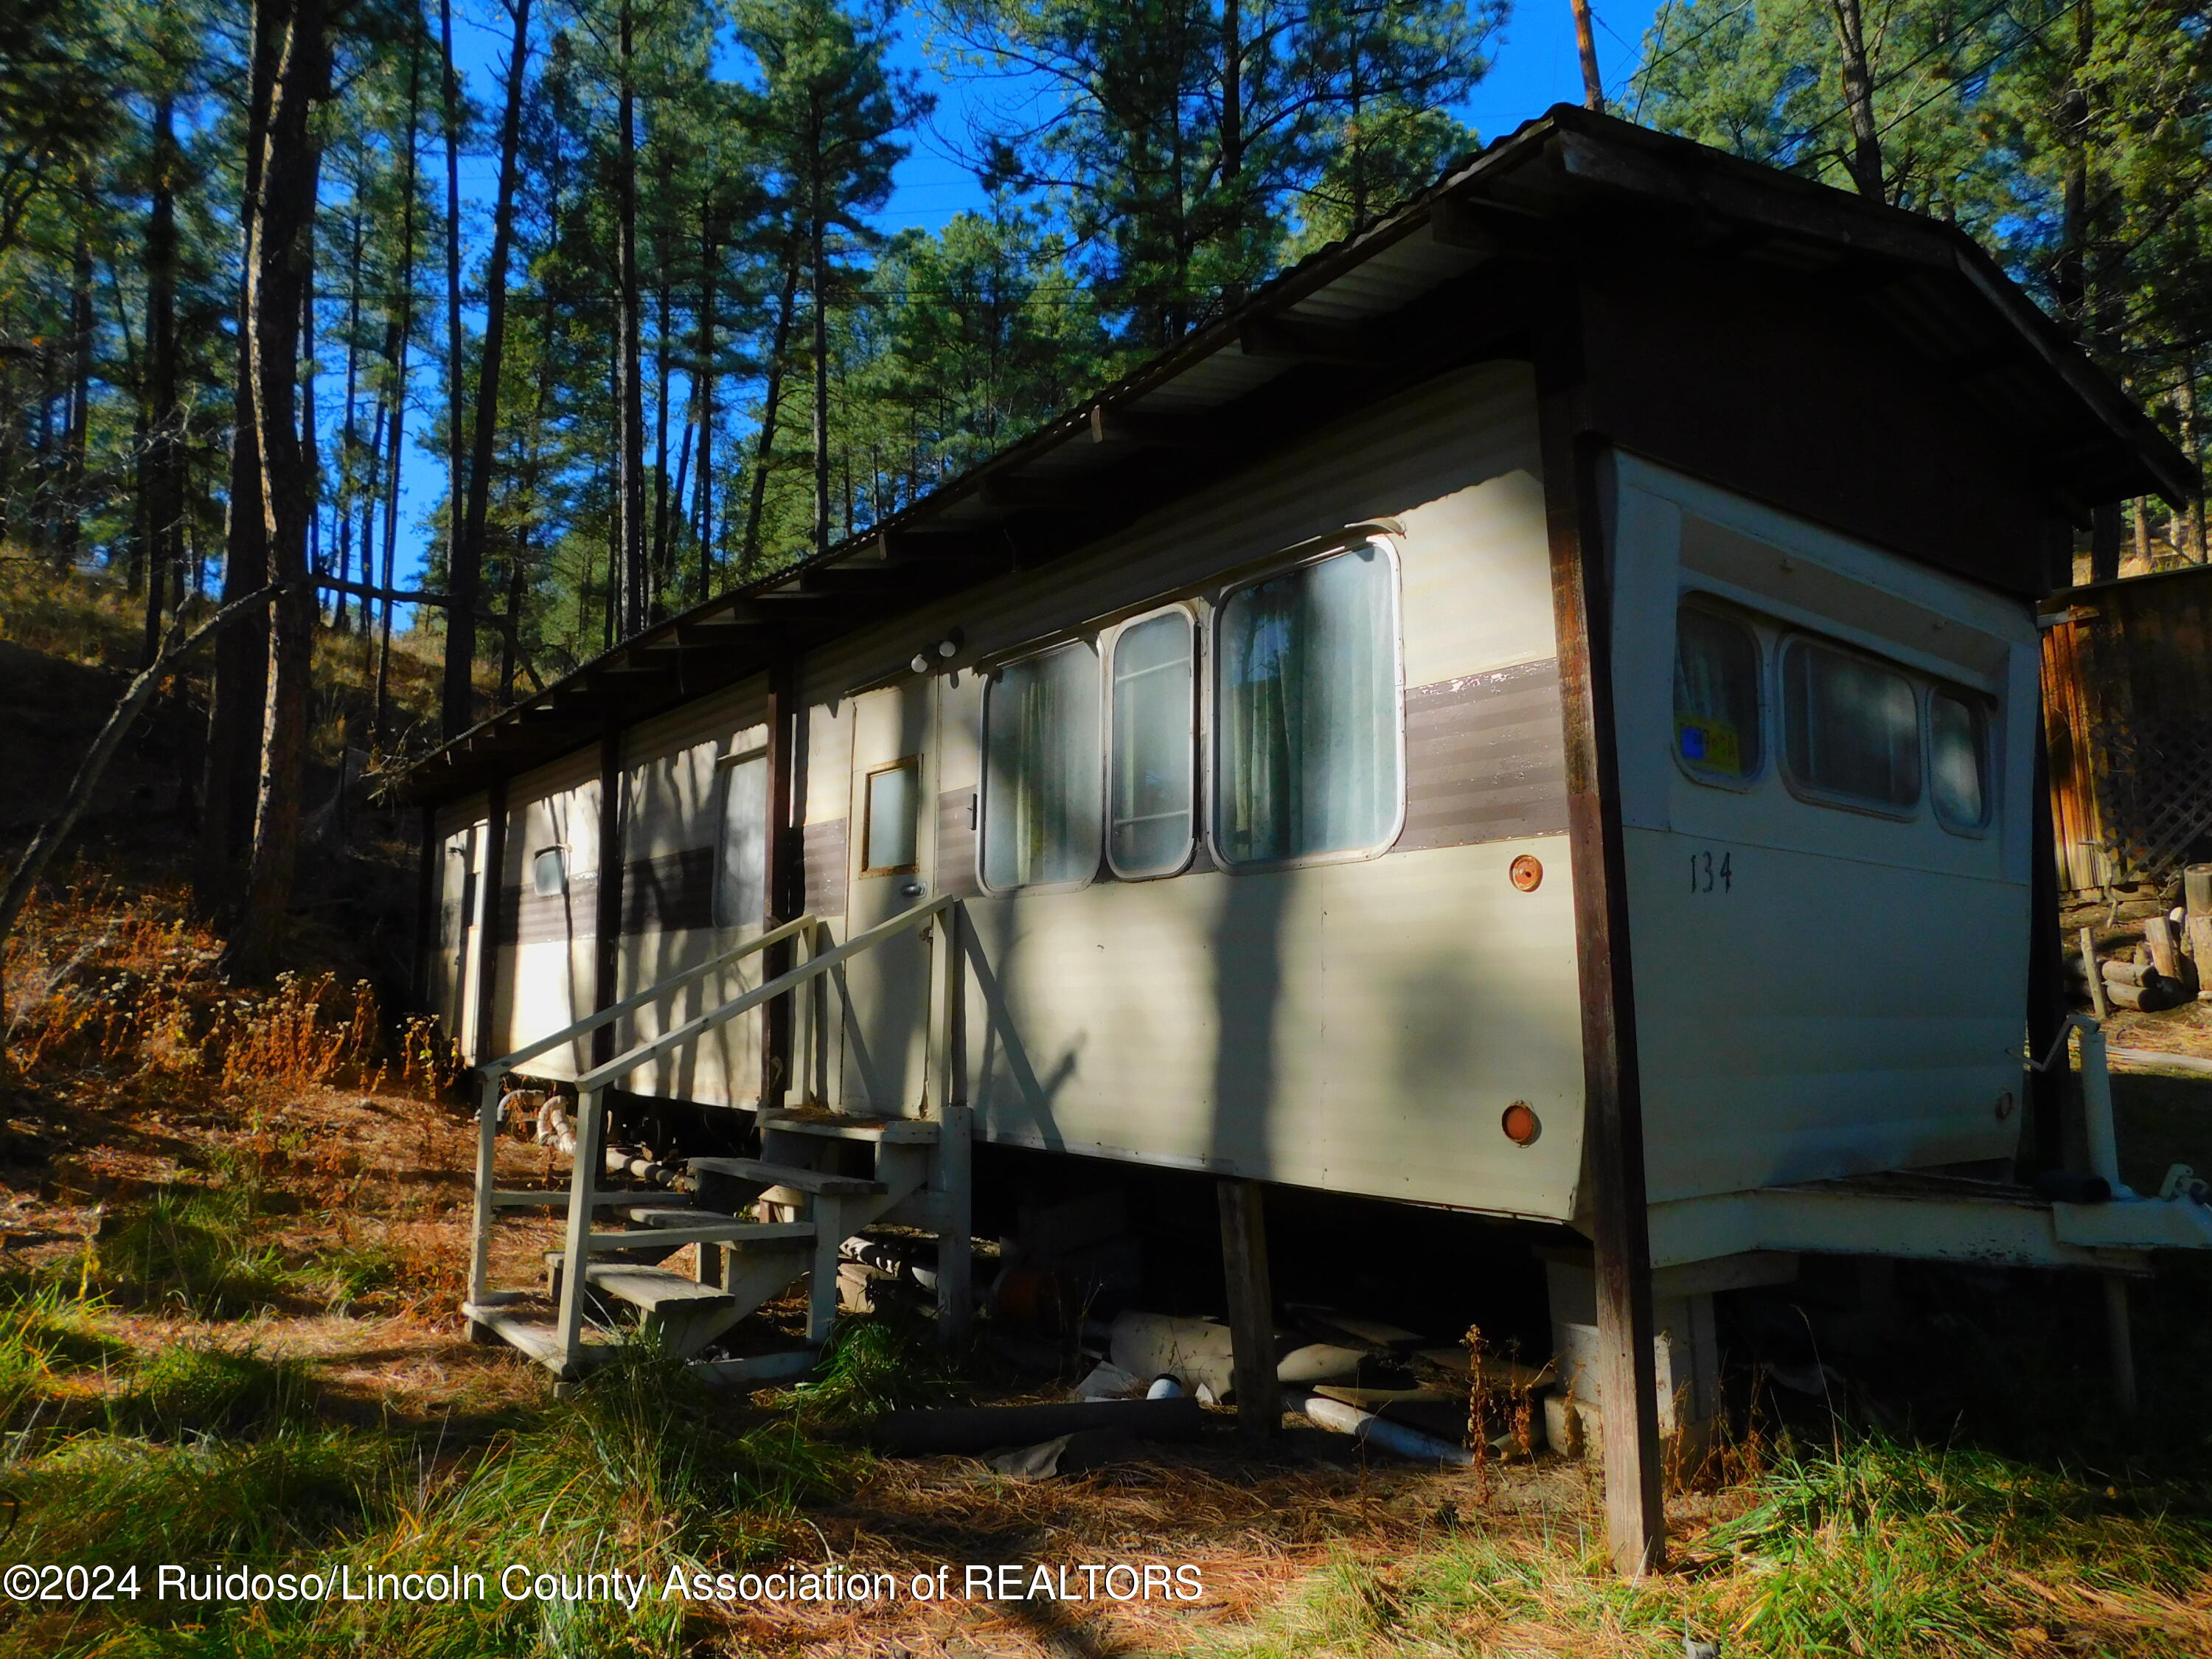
(1483, 760)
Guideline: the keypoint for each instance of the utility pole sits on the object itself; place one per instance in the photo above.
(1586, 43)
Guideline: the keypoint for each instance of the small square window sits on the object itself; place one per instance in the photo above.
(1716, 717)
(888, 836)
(548, 872)
(1958, 761)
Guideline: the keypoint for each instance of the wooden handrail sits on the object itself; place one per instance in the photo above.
(492, 1068)
(623, 1065)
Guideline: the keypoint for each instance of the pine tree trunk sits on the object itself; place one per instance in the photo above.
(771, 396)
(466, 578)
(82, 329)
(236, 711)
(278, 260)
(349, 436)
(703, 390)
(1864, 163)
(403, 333)
(457, 702)
(817, 250)
(165, 495)
(629, 404)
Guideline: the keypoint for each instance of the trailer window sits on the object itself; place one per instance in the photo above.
(741, 850)
(1152, 768)
(892, 818)
(1958, 762)
(1717, 722)
(1042, 784)
(548, 871)
(1852, 728)
(1307, 757)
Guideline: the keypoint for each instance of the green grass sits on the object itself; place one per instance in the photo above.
(214, 1457)
(195, 1249)
(196, 1389)
(1868, 1546)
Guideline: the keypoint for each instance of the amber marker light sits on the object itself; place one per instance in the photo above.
(1527, 874)
(1520, 1122)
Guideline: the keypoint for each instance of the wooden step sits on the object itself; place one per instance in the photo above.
(892, 1131)
(820, 1182)
(534, 1337)
(695, 1229)
(655, 1290)
(665, 1205)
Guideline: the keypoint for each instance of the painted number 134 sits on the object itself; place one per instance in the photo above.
(1708, 875)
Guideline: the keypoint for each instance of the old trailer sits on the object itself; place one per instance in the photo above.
(1491, 723)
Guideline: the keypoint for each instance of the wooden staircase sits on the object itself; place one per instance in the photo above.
(759, 1224)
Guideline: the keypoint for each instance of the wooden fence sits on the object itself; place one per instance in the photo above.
(2127, 708)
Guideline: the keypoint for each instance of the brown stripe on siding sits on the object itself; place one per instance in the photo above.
(1483, 761)
(955, 843)
(823, 852)
(529, 917)
(670, 893)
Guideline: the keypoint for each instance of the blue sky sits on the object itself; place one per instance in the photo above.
(1533, 67)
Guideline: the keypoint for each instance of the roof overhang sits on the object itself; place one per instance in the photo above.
(1455, 278)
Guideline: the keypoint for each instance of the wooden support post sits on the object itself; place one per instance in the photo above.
(2049, 1094)
(2122, 1340)
(786, 885)
(827, 1212)
(2095, 974)
(606, 942)
(481, 1218)
(955, 1153)
(1613, 1119)
(495, 871)
(576, 1262)
(1251, 1309)
(427, 875)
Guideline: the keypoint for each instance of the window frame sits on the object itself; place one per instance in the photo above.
(1210, 751)
(991, 678)
(906, 763)
(1985, 728)
(725, 771)
(1198, 657)
(1814, 794)
(1765, 675)
(560, 849)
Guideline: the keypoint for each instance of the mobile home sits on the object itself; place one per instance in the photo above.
(1491, 723)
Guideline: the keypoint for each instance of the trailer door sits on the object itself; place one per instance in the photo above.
(886, 990)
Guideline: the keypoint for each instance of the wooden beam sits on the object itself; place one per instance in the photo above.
(488, 935)
(1039, 494)
(1205, 433)
(1613, 1122)
(606, 940)
(786, 876)
(1309, 340)
(1468, 227)
(1251, 1308)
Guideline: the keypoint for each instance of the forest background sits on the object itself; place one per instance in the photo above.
(681, 327)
